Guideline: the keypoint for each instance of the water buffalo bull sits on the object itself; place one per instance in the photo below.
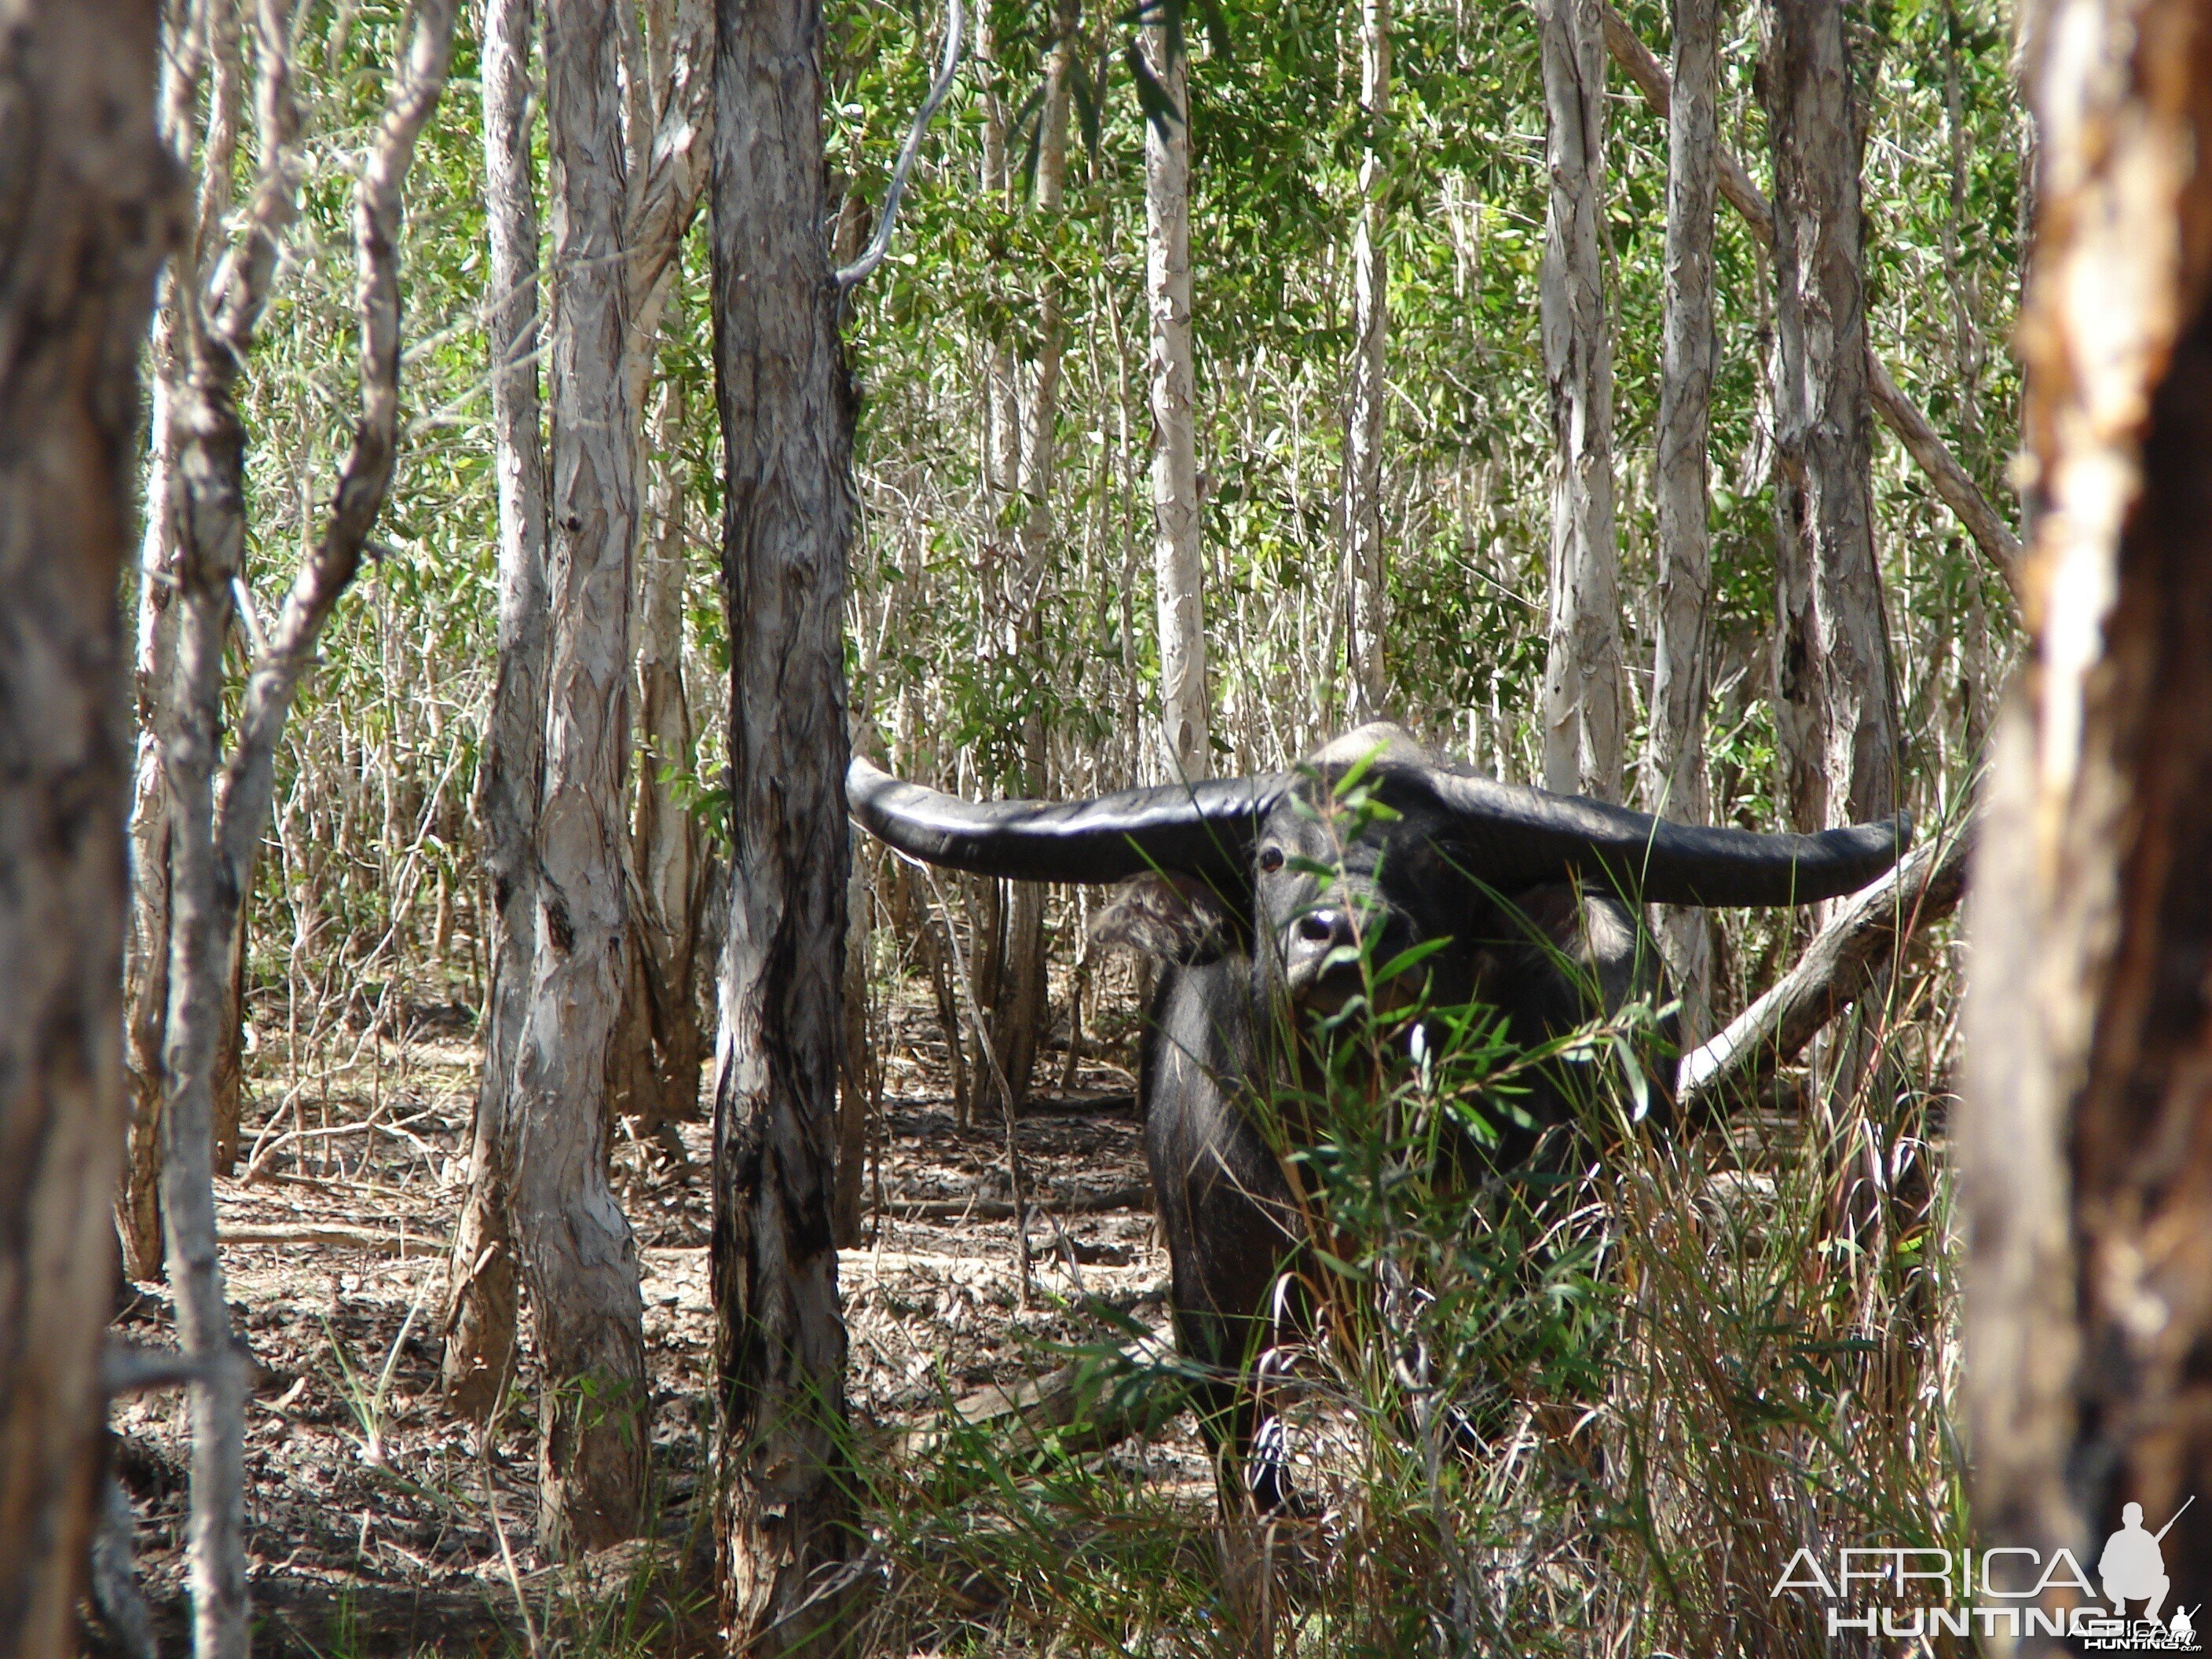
(1263, 895)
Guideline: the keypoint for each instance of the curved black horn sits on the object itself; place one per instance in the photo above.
(1203, 828)
(1516, 836)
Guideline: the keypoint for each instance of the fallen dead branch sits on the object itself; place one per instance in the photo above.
(257, 1165)
(1119, 1102)
(127, 1367)
(334, 1237)
(1843, 961)
(1134, 1196)
(1088, 1406)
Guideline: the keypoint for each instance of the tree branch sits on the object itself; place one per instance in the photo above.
(1847, 957)
(1092, 1404)
(863, 267)
(666, 197)
(239, 290)
(1913, 430)
(364, 480)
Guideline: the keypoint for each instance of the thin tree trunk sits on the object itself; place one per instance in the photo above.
(987, 902)
(578, 1261)
(1969, 353)
(146, 954)
(480, 1302)
(1002, 439)
(1367, 399)
(207, 526)
(1674, 754)
(1177, 571)
(206, 42)
(1039, 458)
(860, 1082)
(190, 743)
(785, 1494)
(92, 207)
(201, 50)
(984, 898)
(145, 1007)
(2086, 1133)
(1584, 720)
(658, 1046)
(1835, 709)
(652, 202)
(230, 1045)
(914, 918)
(1018, 1010)
(1019, 998)
(216, 828)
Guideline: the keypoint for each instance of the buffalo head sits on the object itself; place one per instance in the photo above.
(1277, 863)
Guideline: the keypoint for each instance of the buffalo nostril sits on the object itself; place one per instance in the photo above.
(1318, 929)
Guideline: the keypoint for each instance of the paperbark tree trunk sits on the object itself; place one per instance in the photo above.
(218, 805)
(1002, 420)
(1039, 460)
(659, 1048)
(1674, 751)
(860, 1079)
(1017, 1001)
(657, 1045)
(201, 49)
(784, 1493)
(1177, 571)
(1835, 709)
(1367, 399)
(92, 207)
(1584, 720)
(578, 1263)
(1017, 1005)
(146, 948)
(2086, 1133)
(481, 1296)
(651, 178)
(190, 732)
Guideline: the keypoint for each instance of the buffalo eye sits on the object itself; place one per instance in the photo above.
(1270, 860)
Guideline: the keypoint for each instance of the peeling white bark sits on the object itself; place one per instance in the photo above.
(1675, 753)
(481, 1294)
(1835, 705)
(2085, 1170)
(1177, 568)
(578, 1261)
(1583, 719)
(1367, 396)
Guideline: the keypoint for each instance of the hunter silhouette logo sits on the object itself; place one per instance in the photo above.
(2133, 1568)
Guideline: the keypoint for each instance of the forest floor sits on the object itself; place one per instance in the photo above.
(380, 1523)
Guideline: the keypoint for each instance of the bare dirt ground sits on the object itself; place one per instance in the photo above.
(380, 1523)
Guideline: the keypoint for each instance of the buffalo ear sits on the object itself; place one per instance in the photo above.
(1177, 917)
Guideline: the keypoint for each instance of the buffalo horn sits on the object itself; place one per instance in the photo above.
(1204, 828)
(1513, 836)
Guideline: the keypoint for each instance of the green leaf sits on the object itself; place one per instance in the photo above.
(1410, 957)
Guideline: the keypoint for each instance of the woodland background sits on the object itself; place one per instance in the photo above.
(960, 633)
